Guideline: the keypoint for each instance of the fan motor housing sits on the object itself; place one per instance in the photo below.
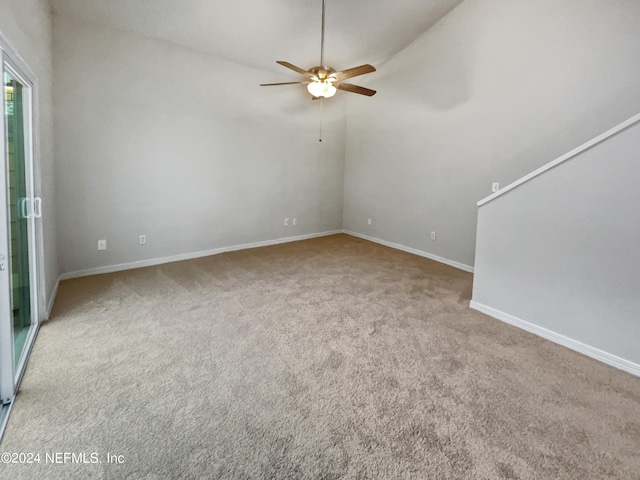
(322, 73)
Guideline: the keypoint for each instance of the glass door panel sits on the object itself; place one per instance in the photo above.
(17, 213)
(19, 246)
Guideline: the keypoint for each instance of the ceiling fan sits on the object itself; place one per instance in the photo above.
(323, 81)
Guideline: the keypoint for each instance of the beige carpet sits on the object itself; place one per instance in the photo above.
(332, 358)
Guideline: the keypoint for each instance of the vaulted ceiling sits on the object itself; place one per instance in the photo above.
(259, 32)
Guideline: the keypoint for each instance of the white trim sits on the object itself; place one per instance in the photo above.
(12, 52)
(414, 251)
(189, 256)
(5, 412)
(52, 299)
(573, 153)
(26, 354)
(7, 389)
(589, 351)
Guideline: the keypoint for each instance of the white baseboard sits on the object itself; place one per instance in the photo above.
(589, 351)
(415, 251)
(188, 256)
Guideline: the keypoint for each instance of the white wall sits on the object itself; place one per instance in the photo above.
(494, 90)
(561, 251)
(27, 26)
(184, 147)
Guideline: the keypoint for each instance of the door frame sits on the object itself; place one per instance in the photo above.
(10, 374)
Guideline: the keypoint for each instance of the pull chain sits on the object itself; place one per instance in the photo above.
(324, 7)
(320, 120)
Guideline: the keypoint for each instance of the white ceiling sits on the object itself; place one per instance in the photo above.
(259, 32)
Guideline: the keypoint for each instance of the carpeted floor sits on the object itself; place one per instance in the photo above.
(331, 358)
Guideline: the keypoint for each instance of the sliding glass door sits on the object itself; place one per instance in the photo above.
(18, 212)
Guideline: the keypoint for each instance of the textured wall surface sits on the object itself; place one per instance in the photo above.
(490, 93)
(561, 251)
(183, 147)
(26, 24)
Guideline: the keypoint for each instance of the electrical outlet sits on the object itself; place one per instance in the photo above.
(142, 240)
(495, 186)
(368, 221)
(286, 222)
(433, 235)
(294, 222)
(102, 244)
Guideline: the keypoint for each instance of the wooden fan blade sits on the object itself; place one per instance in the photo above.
(355, 71)
(281, 83)
(347, 87)
(294, 68)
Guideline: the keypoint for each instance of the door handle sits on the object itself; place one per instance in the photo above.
(23, 213)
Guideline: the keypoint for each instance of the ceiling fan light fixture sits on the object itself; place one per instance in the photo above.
(324, 81)
(322, 89)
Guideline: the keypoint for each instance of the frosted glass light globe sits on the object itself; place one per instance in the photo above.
(322, 89)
